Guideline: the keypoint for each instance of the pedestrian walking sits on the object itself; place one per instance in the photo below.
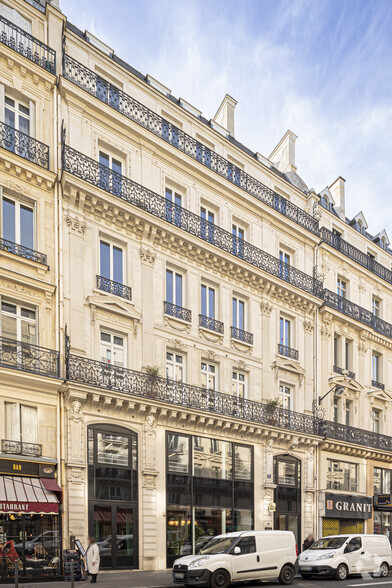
(92, 559)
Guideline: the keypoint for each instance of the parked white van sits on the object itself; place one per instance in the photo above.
(235, 557)
(341, 555)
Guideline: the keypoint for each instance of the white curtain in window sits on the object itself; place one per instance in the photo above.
(12, 430)
(29, 424)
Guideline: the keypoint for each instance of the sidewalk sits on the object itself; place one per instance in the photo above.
(109, 579)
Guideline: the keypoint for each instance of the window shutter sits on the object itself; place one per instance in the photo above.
(12, 430)
(29, 424)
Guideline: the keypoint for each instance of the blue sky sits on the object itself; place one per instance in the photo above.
(322, 68)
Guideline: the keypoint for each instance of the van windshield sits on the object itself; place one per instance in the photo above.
(329, 543)
(218, 545)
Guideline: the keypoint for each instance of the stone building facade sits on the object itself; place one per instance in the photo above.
(204, 343)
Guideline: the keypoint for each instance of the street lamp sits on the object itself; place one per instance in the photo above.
(339, 390)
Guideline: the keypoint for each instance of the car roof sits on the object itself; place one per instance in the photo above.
(349, 535)
(246, 533)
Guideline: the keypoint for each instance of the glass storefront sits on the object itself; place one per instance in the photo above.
(113, 494)
(209, 491)
(287, 478)
(382, 482)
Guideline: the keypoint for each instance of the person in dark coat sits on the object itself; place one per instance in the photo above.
(308, 541)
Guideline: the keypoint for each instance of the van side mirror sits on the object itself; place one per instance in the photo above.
(237, 550)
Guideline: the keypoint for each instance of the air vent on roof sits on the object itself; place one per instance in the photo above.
(157, 85)
(99, 44)
(189, 107)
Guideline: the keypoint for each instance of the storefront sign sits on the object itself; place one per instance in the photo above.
(348, 507)
(27, 468)
(383, 501)
(9, 506)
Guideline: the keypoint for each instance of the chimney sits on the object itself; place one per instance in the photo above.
(337, 191)
(225, 114)
(283, 156)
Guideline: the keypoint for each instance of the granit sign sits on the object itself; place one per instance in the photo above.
(348, 506)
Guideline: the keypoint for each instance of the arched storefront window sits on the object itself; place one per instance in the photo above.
(287, 477)
(113, 494)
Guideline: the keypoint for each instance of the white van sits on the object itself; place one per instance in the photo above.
(235, 557)
(341, 555)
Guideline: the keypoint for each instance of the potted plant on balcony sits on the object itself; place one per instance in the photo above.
(270, 410)
(152, 372)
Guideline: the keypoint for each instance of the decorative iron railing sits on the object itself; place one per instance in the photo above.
(85, 78)
(343, 372)
(139, 384)
(347, 434)
(22, 251)
(21, 448)
(358, 313)
(91, 171)
(287, 351)
(177, 311)
(29, 358)
(25, 44)
(39, 4)
(212, 324)
(24, 145)
(378, 385)
(355, 254)
(242, 335)
(113, 287)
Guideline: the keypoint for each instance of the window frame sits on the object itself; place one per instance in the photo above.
(112, 247)
(113, 346)
(19, 318)
(18, 203)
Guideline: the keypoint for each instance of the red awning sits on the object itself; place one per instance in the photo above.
(26, 495)
(51, 485)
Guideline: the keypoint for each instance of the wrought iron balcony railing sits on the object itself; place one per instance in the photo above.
(210, 323)
(177, 311)
(38, 4)
(91, 171)
(27, 45)
(29, 358)
(21, 448)
(378, 385)
(139, 384)
(242, 335)
(343, 372)
(347, 434)
(22, 251)
(288, 351)
(113, 287)
(356, 254)
(358, 313)
(24, 145)
(87, 79)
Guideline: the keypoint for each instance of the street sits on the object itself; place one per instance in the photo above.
(162, 579)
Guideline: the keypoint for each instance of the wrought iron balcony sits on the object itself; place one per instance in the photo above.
(357, 313)
(378, 385)
(210, 323)
(347, 434)
(22, 251)
(96, 174)
(21, 448)
(356, 254)
(177, 311)
(139, 384)
(343, 372)
(29, 358)
(87, 79)
(24, 145)
(288, 351)
(113, 287)
(27, 45)
(241, 335)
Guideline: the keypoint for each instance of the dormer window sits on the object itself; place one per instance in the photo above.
(324, 202)
(360, 227)
(383, 243)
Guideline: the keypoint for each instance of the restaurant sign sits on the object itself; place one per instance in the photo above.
(348, 506)
(13, 506)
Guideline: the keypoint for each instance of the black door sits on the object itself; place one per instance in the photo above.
(287, 478)
(115, 529)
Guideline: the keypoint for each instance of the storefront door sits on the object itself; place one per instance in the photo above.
(288, 495)
(116, 521)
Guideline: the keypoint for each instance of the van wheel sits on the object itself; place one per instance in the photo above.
(383, 572)
(341, 572)
(286, 575)
(220, 579)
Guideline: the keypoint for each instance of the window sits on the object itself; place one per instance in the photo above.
(286, 395)
(336, 351)
(212, 458)
(348, 344)
(110, 173)
(21, 422)
(238, 385)
(382, 481)
(207, 301)
(375, 306)
(376, 420)
(342, 475)
(324, 202)
(208, 376)
(335, 409)
(238, 240)
(284, 265)
(285, 332)
(354, 544)
(238, 313)
(173, 207)
(111, 262)
(247, 545)
(360, 227)
(178, 454)
(341, 288)
(174, 366)
(112, 349)
(348, 412)
(17, 115)
(207, 224)
(376, 376)
(18, 322)
(173, 287)
(17, 222)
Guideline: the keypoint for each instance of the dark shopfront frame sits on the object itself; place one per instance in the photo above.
(197, 482)
(112, 560)
(284, 493)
